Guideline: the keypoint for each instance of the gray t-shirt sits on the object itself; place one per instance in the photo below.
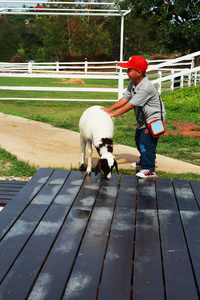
(144, 94)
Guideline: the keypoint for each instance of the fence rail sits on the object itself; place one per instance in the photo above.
(164, 74)
(82, 68)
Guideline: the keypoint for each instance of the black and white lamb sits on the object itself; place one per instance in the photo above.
(97, 128)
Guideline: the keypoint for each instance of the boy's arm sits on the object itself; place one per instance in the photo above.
(121, 110)
(121, 102)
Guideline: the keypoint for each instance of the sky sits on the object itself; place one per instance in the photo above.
(26, 2)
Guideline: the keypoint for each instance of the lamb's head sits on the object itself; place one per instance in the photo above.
(105, 164)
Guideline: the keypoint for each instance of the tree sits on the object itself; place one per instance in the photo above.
(87, 37)
(178, 20)
(113, 26)
(51, 37)
(54, 38)
(141, 36)
(9, 40)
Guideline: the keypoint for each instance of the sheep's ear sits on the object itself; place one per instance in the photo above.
(98, 167)
(116, 166)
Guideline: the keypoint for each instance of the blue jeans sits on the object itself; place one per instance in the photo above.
(146, 145)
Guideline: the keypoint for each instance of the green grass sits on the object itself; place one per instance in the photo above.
(15, 81)
(53, 82)
(11, 166)
(182, 106)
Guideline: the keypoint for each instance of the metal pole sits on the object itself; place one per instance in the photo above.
(122, 38)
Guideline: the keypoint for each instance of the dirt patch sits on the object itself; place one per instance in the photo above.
(71, 81)
(75, 81)
(185, 129)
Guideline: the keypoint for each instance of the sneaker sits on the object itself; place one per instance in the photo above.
(136, 164)
(146, 174)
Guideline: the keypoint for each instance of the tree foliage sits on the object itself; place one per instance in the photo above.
(9, 40)
(51, 38)
(153, 26)
(178, 20)
(88, 37)
(141, 37)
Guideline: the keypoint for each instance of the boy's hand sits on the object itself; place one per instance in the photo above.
(106, 109)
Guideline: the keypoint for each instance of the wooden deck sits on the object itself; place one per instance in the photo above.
(66, 235)
(9, 189)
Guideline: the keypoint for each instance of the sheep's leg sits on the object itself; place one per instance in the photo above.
(82, 146)
(89, 167)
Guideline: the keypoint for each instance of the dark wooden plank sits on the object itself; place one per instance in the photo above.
(22, 274)
(108, 189)
(127, 191)
(11, 193)
(6, 199)
(12, 186)
(51, 282)
(85, 277)
(14, 209)
(12, 182)
(9, 189)
(117, 271)
(179, 277)
(195, 184)
(191, 223)
(15, 240)
(147, 276)
(146, 194)
(148, 279)
(184, 195)
(4, 202)
(18, 235)
(165, 194)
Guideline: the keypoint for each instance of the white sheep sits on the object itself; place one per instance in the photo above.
(97, 128)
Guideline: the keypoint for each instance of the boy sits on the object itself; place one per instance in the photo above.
(145, 100)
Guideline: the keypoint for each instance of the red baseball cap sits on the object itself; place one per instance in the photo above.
(136, 62)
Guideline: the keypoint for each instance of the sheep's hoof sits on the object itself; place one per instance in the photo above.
(88, 171)
(82, 167)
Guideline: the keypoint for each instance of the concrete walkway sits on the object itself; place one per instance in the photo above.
(46, 146)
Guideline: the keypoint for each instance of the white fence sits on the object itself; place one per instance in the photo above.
(177, 79)
(62, 68)
(165, 75)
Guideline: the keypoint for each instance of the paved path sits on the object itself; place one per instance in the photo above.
(46, 146)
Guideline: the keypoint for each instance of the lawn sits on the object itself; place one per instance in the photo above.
(182, 107)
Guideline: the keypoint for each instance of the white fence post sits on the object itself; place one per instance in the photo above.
(189, 79)
(57, 66)
(172, 81)
(30, 67)
(182, 79)
(159, 82)
(195, 78)
(120, 84)
(193, 63)
(86, 66)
